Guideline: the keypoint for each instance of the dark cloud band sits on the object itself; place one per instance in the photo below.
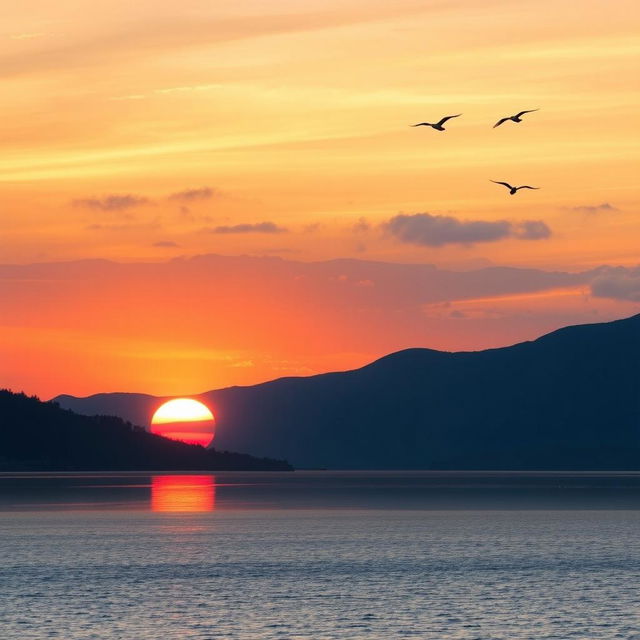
(112, 202)
(618, 283)
(260, 227)
(437, 231)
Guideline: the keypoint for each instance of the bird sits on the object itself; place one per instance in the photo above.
(438, 125)
(516, 118)
(512, 190)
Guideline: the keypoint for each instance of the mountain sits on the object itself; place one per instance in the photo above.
(568, 400)
(40, 436)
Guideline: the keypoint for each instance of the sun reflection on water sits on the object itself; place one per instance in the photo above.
(183, 494)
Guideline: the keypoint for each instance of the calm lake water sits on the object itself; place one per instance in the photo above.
(320, 555)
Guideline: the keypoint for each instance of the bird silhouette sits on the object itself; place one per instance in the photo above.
(512, 190)
(516, 118)
(438, 125)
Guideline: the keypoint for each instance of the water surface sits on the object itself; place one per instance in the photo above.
(319, 555)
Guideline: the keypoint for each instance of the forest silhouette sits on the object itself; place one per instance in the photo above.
(41, 436)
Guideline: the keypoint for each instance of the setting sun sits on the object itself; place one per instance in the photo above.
(185, 420)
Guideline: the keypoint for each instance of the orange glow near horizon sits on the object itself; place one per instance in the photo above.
(239, 164)
(186, 420)
(183, 494)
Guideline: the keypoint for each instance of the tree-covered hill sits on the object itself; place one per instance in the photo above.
(40, 436)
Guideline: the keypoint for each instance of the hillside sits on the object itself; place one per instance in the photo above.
(40, 436)
(568, 400)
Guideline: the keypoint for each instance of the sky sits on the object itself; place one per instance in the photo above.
(249, 173)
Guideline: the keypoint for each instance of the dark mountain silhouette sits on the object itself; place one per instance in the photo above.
(42, 436)
(568, 400)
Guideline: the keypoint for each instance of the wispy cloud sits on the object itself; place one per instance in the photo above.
(437, 231)
(361, 226)
(165, 244)
(594, 208)
(260, 227)
(186, 32)
(135, 226)
(112, 202)
(243, 364)
(27, 36)
(192, 195)
(187, 88)
(276, 251)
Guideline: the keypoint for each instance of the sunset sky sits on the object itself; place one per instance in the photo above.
(248, 170)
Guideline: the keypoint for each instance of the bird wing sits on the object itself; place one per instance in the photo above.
(506, 184)
(526, 186)
(421, 124)
(497, 124)
(523, 112)
(448, 118)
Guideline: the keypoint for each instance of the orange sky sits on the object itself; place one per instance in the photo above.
(139, 133)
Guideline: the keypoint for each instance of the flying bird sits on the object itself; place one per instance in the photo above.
(516, 118)
(512, 190)
(438, 125)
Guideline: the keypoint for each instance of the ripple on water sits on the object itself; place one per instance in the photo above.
(321, 575)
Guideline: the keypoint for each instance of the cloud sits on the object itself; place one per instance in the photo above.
(184, 32)
(532, 230)
(243, 364)
(26, 36)
(594, 208)
(276, 250)
(353, 322)
(153, 225)
(112, 202)
(190, 87)
(260, 227)
(165, 244)
(191, 195)
(362, 226)
(618, 283)
(437, 230)
(470, 264)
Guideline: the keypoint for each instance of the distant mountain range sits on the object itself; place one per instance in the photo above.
(40, 436)
(568, 400)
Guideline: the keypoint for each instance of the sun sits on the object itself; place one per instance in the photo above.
(186, 420)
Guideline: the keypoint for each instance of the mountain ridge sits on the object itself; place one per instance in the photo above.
(521, 406)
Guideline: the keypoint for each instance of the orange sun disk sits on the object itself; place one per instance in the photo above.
(185, 420)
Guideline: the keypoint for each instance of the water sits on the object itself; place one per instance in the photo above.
(320, 555)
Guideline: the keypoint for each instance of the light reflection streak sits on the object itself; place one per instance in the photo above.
(183, 494)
